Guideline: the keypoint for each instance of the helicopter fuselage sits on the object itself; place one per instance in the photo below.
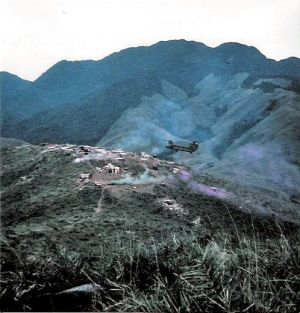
(192, 148)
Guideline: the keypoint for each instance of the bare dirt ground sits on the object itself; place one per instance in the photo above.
(70, 202)
(66, 194)
(130, 165)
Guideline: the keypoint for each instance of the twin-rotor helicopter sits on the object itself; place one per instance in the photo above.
(192, 147)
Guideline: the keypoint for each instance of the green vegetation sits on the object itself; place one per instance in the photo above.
(79, 101)
(196, 272)
(138, 256)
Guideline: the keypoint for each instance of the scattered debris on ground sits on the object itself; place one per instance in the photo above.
(173, 206)
(65, 227)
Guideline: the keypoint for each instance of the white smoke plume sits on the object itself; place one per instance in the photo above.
(142, 179)
(91, 157)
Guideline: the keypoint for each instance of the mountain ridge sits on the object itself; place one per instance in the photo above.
(73, 100)
(293, 58)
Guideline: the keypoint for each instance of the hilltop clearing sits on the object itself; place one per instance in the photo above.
(129, 222)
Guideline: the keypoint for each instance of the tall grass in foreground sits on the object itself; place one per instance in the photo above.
(194, 272)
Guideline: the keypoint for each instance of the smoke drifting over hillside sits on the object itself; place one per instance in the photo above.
(241, 107)
(141, 179)
(260, 166)
(271, 164)
(246, 134)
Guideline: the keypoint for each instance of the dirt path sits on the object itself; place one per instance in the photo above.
(98, 209)
(99, 205)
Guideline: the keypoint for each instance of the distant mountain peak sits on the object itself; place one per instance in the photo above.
(97, 92)
(238, 48)
(8, 75)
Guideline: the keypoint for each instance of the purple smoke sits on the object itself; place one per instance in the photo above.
(185, 175)
(267, 166)
(202, 188)
(209, 190)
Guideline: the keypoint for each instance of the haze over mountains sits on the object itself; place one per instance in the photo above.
(98, 229)
(243, 108)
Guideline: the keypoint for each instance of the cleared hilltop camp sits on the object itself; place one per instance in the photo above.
(88, 228)
(161, 178)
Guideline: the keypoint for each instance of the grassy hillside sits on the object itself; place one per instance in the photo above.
(134, 255)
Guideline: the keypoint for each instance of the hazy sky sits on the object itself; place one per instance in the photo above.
(35, 34)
